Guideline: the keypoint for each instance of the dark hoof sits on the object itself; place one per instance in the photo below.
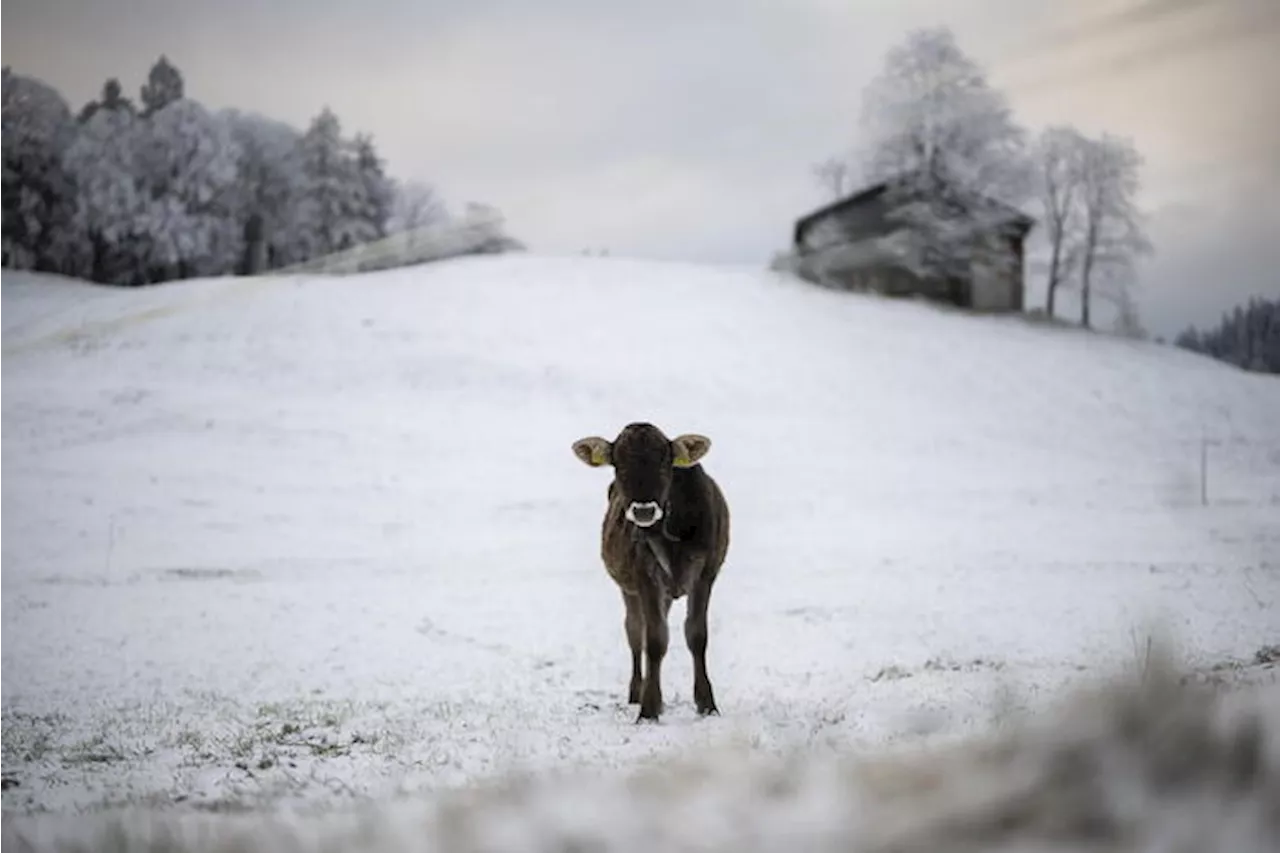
(650, 711)
(704, 699)
(633, 695)
(651, 719)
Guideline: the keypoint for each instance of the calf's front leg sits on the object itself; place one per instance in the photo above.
(635, 639)
(654, 605)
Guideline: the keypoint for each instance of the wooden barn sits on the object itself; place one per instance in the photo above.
(847, 245)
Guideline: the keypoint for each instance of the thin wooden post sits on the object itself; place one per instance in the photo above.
(1204, 470)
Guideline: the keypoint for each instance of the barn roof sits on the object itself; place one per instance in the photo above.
(1017, 218)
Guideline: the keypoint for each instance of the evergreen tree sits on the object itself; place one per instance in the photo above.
(1248, 337)
(113, 99)
(188, 166)
(377, 191)
(332, 189)
(270, 191)
(40, 228)
(110, 202)
(164, 86)
(128, 197)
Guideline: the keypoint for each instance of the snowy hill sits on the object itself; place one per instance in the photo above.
(304, 538)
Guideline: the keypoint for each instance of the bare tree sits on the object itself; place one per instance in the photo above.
(1128, 323)
(1112, 237)
(416, 206)
(832, 174)
(949, 146)
(1059, 153)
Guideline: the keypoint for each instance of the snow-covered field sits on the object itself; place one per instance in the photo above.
(299, 541)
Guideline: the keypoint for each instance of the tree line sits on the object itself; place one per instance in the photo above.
(1248, 337)
(135, 193)
(958, 163)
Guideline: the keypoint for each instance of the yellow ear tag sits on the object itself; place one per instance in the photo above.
(683, 461)
(597, 456)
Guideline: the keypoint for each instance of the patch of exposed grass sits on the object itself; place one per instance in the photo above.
(943, 664)
(281, 733)
(28, 738)
(894, 672)
(93, 750)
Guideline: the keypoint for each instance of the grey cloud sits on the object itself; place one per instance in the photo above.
(1143, 13)
(606, 126)
(663, 129)
(1227, 18)
(1141, 43)
(1194, 280)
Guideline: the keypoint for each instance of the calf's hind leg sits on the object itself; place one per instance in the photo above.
(695, 634)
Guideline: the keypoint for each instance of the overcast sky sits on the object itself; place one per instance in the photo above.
(685, 130)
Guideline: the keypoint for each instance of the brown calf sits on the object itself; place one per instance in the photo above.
(665, 535)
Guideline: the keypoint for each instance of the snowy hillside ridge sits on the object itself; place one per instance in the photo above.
(478, 232)
(307, 541)
(1143, 763)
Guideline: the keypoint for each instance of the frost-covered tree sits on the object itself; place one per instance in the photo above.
(377, 192)
(164, 86)
(333, 207)
(188, 165)
(1059, 153)
(1248, 337)
(175, 191)
(948, 145)
(832, 175)
(40, 227)
(113, 99)
(1112, 237)
(1189, 338)
(1128, 322)
(270, 191)
(111, 202)
(486, 228)
(415, 206)
(1091, 226)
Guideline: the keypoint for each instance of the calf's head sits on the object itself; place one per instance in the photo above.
(643, 459)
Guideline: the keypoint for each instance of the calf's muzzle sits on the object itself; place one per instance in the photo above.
(644, 514)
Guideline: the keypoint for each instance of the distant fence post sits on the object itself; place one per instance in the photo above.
(1204, 470)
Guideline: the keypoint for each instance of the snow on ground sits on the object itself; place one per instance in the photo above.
(1140, 765)
(301, 540)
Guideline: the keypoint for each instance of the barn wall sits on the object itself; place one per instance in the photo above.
(997, 275)
(860, 279)
(899, 282)
(869, 219)
(858, 222)
(996, 270)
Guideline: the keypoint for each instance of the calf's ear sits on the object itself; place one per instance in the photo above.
(687, 449)
(594, 451)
